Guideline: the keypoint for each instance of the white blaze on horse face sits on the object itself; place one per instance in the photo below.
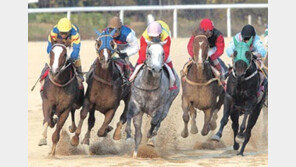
(157, 58)
(57, 50)
(105, 53)
(200, 53)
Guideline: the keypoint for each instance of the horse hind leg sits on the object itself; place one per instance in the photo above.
(185, 107)
(46, 122)
(56, 135)
(72, 127)
(105, 128)
(193, 129)
(91, 123)
(138, 134)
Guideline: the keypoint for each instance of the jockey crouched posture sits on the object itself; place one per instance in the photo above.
(256, 48)
(127, 45)
(68, 33)
(157, 31)
(216, 42)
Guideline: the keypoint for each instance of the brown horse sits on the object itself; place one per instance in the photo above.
(60, 95)
(200, 89)
(104, 92)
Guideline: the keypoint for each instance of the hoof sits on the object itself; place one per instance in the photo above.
(135, 154)
(215, 138)
(239, 139)
(72, 129)
(184, 133)
(42, 142)
(102, 134)
(240, 153)
(150, 142)
(108, 129)
(204, 132)
(194, 129)
(236, 146)
(75, 141)
(85, 141)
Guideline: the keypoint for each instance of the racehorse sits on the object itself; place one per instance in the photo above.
(60, 95)
(104, 91)
(241, 95)
(200, 89)
(150, 94)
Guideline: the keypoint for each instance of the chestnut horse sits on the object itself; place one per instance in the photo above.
(104, 91)
(60, 95)
(200, 89)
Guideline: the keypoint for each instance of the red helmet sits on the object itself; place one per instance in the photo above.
(206, 24)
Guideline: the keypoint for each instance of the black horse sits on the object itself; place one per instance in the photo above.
(241, 96)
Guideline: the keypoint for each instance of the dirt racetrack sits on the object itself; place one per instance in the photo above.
(171, 149)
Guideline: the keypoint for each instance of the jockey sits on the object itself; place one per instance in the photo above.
(266, 36)
(256, 47)
(216, 41)
(126, 40)
(68, 33)
(157, 31)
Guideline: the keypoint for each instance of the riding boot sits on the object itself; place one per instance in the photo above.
(79, 73)
(222, 77)
(125, 81)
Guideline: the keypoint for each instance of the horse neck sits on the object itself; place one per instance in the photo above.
(148, 78)
(105, 74)
(197, 74)
(65, 75)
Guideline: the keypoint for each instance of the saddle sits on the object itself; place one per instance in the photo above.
(124, 66)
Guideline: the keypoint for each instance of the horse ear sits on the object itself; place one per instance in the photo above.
(113, 32)
(235, 41)
(164, 42)
(97, 32)
(250, 41)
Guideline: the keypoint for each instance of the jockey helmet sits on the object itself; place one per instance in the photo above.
(206, 24)
(64, 25)
(248, 31)
(115, 22)
(154, 29)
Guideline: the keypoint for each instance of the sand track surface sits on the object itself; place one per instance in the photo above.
(170, 149)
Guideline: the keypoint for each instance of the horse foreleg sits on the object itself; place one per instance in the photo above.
(123, 118)
(234, 118)
(46, 122)
(251, 122)
(185, 107)
(213, 124)
(105, 128)
(240, 135)
(207, 119)
(138, 134)
(91, 123)
(224, 120)
(83, 114)
(72, 127)
(193, 129)
(154, 122)
(56, 135)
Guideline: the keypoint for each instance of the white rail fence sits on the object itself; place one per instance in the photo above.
(175, 9)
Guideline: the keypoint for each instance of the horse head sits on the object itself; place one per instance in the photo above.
(105, 47)
(58, 57)
(242, 57)
(155, 56)
(200, 49)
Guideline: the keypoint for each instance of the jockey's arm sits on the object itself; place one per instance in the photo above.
(166, 48)
(259, 48)
(133, 46)
(75, 42)
(220, 48)
(51, 37)
(142, 51)
(231, 47)
(190, 46)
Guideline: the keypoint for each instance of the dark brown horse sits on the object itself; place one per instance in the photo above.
(104, 92)
(60, 95)
(200, 89)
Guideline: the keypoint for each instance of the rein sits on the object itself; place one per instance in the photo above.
(249, 77)
(97, 78)
(62, 85)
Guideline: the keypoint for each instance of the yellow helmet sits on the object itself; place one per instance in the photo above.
(64, 25)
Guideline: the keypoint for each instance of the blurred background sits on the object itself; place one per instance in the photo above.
(40, 24)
